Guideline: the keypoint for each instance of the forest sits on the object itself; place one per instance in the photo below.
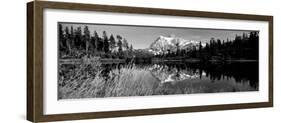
(243, 47)
(76, 44)
(73, 43)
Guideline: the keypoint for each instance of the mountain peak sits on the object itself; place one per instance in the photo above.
(164, 44)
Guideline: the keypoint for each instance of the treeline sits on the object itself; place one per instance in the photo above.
(242, 47)
(75, 43)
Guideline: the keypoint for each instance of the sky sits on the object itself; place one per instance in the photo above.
(142, 36)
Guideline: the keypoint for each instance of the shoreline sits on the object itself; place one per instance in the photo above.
(110, 60)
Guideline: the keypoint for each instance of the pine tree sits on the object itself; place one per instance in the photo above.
(96, 41)
(212, 46)
(78, 38)
(119, 43)
(67, 39)
(100, 44)
(200, 46)
(61, 36)
(178, 48)
(61, 40)
(219, 43)
(106, 43)
(71, 37)
(125, 44)
(131, 48)
(112, 42)
(200, 49)
(86, 38)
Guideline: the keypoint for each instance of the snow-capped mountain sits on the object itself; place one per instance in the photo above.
(165, 43)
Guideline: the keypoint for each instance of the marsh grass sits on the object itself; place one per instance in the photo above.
(87, 81)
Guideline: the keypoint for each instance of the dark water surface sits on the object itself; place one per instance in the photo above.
(176, 77)
(116, 80)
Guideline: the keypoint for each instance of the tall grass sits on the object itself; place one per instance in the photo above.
(88, 82)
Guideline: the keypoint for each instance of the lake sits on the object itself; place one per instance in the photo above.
(165, 78)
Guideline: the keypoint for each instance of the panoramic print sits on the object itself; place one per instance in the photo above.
(103, 60)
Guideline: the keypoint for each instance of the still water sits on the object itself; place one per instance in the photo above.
(182, 78)
(117, 80)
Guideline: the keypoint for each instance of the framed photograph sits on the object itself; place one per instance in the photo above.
(88, 61)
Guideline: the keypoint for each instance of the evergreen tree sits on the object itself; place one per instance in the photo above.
(61, 37)
(92, 44)
(67, 39)
(71, 43)
(67, 34)
(86, 38)
(112, 42)
(178, 49)
(200, 47)
(219, 43)
(106, 43)
(78, 38)
(100, 44)
(119, 43)
(131, 48)
(125, 44)
(96, 41)
(212, 46)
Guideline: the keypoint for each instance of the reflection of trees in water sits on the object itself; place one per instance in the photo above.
(241, 72)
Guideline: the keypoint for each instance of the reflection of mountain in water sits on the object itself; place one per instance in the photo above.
(189, 78)
(205, 78)
(238, 72)
(117, 80)
(167, 74)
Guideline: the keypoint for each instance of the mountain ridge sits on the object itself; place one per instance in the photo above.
(165, 44)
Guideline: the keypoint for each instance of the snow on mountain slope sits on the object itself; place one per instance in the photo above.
(163, 44)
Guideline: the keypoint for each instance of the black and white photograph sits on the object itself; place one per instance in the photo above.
(109, 60)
